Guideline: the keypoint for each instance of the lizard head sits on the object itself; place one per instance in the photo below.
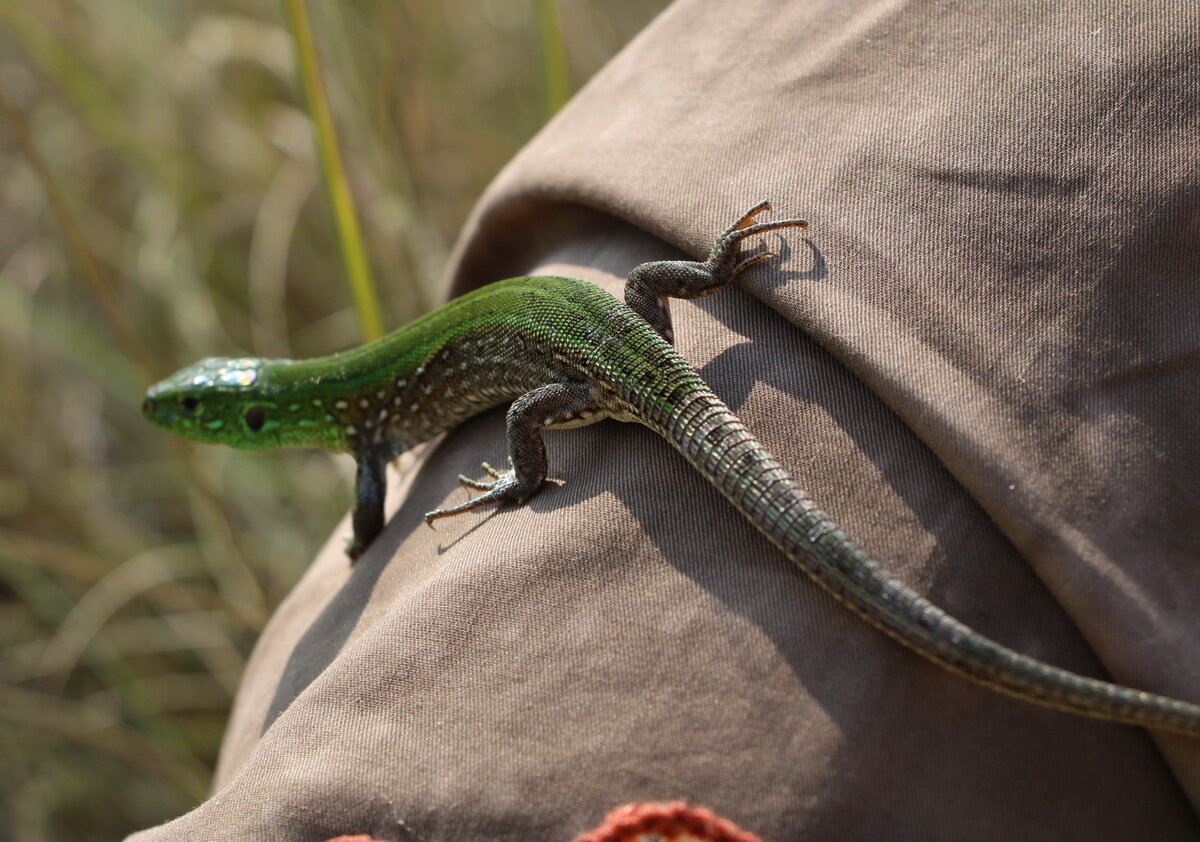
(219, 400)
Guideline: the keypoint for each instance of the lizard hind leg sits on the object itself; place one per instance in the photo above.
(649, 285)
(556, 404)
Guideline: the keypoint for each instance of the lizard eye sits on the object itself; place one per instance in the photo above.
(189, 404)
(256, 416)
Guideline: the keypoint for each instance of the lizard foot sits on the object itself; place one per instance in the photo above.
(545, 406)
(354, 548)
(505, 487)
(649, 285)
(723, 260)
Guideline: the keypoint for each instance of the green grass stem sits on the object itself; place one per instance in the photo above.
(354, 258)
(555, 70)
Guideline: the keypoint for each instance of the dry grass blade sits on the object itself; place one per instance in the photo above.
(156, 192)
(102, 288)
(247, 595)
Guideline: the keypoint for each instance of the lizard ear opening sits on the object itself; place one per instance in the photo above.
(256, 416)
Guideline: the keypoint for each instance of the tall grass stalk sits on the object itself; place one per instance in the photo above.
(556, 72)
(341, 202)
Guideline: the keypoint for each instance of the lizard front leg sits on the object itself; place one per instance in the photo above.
(369, 491)
(649, 285)
(546, 406)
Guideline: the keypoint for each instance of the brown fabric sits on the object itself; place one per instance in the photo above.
(983, 361)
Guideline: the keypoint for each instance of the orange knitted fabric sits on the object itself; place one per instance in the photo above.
(673, 822)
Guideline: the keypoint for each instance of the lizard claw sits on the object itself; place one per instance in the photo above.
(477, 484)
(747, 218)
(750, 261)
(496, 474)
(481, 484)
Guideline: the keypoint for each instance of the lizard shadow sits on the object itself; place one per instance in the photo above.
(784, 252)
(327, 634)
(434, 482)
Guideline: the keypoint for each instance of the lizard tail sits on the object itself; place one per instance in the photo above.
(718, 445)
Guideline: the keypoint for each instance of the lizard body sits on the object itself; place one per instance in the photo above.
(566, 353)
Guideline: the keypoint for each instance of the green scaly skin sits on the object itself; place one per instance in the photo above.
(565, 353)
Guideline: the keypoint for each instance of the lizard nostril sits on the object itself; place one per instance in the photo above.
(147, 406)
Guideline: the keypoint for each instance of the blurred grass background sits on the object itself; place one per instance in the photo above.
(180, 139)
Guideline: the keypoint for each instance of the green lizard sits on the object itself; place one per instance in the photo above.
(566, 353)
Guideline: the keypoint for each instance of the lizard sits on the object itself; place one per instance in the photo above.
(566, 353)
